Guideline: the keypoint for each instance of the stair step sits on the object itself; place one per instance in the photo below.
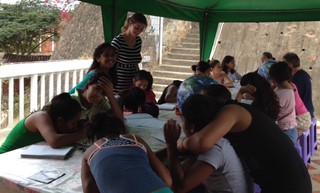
(174, 68)
(194, 35)
(189, 45)
(185, 51)
(164, 80)
(168, 74)
(191, 40)
(183, 56)
(179, 62)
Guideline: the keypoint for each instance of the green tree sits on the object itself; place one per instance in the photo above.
(24, 24)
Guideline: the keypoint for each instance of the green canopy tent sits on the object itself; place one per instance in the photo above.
(208, 13)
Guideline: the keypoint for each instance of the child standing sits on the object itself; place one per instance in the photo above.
(120, 163)
(280, 76)
(104, 58)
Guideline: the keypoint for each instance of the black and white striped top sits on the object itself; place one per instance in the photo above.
(127, 62)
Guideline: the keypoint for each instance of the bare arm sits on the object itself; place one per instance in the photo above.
(88, 183)
(108, 89)
(183, 181)
(227, 81)
(231, 118)
(43, 123)
(171, 95)
(157, 165)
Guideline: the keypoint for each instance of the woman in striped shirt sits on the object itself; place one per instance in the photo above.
(128, 47)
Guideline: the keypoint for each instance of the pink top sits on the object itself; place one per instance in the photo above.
(287, 114)
(300, 108)
(150, 96)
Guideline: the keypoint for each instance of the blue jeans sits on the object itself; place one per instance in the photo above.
(292, 134)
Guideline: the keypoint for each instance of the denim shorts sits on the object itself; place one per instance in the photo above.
(292, 134)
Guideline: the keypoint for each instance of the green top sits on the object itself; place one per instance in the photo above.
(87, 113)
(19, 137)
(83, 82)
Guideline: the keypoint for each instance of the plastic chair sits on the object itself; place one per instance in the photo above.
(313, 136)
(256, 188)
(298, 148)
(305, 142)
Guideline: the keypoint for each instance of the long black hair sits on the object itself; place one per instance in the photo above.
(199, 110)
(97, 53)
(64, 106)
(265, 99)
(103, 124)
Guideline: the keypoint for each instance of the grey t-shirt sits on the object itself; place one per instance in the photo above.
(229, 175)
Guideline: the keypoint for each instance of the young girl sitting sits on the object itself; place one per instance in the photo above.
(120, 163)
(218, 169)
(144, 80)
(258, 89)
(217, 73)
(56, 124)
(104, 58)
(280, 76)
(92, 97)
(270, 155)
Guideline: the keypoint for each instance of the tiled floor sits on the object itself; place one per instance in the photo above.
(314, 167)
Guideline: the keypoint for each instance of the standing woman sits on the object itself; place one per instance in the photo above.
(228, 66)
(128, 47)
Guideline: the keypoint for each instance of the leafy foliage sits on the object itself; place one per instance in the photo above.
(22, 24)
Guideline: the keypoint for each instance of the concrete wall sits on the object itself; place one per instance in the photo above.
(247, 41)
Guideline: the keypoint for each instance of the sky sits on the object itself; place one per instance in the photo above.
(9, 1)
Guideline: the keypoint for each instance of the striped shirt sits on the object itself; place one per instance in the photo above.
(127, 62)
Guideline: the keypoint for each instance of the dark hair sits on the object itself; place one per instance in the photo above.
(132, 98)
(199, 110)
(103, 124)
(226, 60)
(97, 53)
(194, 68)
(218, 92)
(268, 55)
(265, 99)
(144, 75)
(176, 83)
(95, 79)
(64, 106)
(292, 58)
(135, 18)
(202, 66)
(280, 72)
(213, 63)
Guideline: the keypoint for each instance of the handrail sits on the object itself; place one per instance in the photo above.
(47, 77)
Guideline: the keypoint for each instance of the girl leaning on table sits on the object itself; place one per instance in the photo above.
(120, 163)
(56, 124)
(271, 157)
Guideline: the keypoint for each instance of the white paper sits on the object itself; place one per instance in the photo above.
(45, 151)
(167, 106)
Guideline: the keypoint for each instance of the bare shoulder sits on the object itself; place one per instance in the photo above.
(241, 116)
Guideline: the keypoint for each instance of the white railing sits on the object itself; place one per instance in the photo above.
(47, 78)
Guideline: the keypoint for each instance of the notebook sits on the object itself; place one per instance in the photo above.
(46, 176)
(44, 151)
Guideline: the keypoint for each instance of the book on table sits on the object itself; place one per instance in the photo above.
(44, 151)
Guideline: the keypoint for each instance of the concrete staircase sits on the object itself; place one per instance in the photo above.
(176, 65)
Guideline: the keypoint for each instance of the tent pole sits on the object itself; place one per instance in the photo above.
(160, 40)
(216, 40)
